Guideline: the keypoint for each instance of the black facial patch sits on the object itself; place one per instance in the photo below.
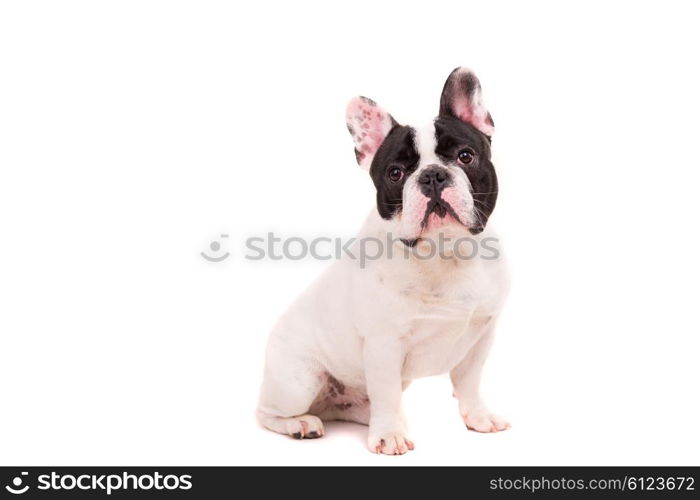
(453, 136)
(397, 151)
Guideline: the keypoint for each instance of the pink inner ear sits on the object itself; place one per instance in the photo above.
(473, 111)
(369, 125)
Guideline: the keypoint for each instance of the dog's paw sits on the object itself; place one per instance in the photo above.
(480, 420)
(392, 443)
(305, 427)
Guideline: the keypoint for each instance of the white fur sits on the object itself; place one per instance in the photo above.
(377, 328)
(425, 144)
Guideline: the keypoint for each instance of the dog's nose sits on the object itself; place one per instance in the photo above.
(435, 177)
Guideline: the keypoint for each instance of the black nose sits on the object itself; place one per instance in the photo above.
(433, 179)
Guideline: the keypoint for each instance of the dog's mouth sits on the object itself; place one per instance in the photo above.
(438, 207)
(438, 213)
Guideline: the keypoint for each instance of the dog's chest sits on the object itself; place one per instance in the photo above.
(436, 337)
(442, 321)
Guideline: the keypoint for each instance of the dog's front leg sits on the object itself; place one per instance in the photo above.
(383, 360)
(466, 377)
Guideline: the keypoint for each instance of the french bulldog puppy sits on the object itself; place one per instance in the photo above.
(353, 341)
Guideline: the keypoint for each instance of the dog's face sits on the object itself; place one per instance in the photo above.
(432, 177)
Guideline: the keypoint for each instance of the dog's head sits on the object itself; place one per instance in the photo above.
(431, 177)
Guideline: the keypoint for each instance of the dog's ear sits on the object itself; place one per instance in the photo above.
(461, 98)
(369, 125)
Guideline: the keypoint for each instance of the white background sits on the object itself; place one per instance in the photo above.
(132, 134)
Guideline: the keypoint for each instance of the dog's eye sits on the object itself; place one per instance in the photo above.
(465, 157)
(395, 173)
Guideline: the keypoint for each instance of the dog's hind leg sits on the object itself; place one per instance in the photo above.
(289, 388)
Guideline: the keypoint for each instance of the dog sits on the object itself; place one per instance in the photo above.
(354, 340)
